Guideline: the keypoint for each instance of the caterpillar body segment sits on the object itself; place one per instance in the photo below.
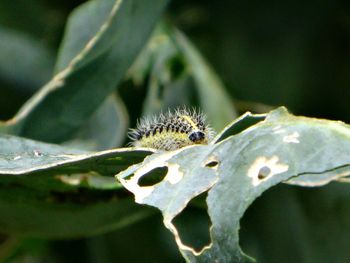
(172, 130)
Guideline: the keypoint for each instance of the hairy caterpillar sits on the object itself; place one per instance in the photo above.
(172, 130)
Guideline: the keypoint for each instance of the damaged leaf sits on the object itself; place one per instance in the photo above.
(237, 169)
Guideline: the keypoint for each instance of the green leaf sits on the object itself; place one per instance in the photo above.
(21, 156)
(106, 128)
(33, 20)
(91, 64)
(293, 224)
(179, 75)
(238, 125)
(57, 192)
(237, 170)
(214, 100)
(28, 212)
(24, 60)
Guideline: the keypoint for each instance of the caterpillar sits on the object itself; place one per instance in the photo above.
(172, 130)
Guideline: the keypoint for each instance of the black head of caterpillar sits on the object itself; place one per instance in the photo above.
(172, 130)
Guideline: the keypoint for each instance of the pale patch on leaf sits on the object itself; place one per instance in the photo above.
(174, 175)
(278, 129)
(291, 138)
(238, 167)
(264, 168)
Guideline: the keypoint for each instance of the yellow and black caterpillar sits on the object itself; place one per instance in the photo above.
(172, 130)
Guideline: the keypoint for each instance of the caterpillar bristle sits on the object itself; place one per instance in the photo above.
(172, 130)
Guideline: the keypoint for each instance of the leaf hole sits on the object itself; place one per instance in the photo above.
(264, 172)
(153, 177)
(212, 164)
(193, 223)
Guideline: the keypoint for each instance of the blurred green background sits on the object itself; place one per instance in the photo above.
(267, 53)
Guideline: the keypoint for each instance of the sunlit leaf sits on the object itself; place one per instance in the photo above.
(239, 169)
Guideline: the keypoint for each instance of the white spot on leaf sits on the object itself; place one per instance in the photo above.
(278, 129)
(37, 153)
(174, 175)
(264, 168)
(292, 138)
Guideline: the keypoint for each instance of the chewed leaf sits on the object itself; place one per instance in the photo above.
(180, 184)
(237, 170)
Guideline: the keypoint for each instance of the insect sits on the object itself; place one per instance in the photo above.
(172, 130)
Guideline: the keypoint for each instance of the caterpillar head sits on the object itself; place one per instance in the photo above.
(196, 136)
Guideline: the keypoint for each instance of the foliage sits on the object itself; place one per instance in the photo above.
(64, 173)
(237, 170)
